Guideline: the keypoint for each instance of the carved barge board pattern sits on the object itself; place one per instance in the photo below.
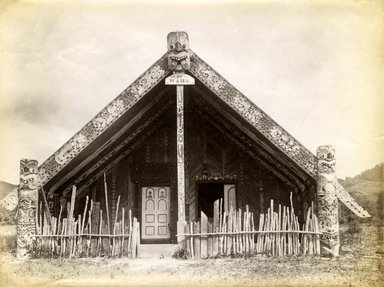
(103, 120)
(349, 202)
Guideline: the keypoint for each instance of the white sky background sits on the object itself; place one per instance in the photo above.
(316, 69)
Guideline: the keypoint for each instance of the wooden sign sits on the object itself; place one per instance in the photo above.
(179, 80)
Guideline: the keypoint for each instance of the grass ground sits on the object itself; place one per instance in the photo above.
(359, 265)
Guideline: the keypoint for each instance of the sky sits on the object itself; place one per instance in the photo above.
(316, 67)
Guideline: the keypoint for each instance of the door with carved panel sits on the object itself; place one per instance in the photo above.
(155, 212)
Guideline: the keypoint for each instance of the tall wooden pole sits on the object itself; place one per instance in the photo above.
(180, 153)
(26, 213)
(179, 62)
(327, 202)
(179, 80)
(106, 201)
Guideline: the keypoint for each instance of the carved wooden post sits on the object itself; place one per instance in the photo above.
(26, 214)
(327, 201)
(179, 62)
(180, 154)
(180, 163)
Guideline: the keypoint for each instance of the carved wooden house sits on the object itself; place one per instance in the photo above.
(170, 158)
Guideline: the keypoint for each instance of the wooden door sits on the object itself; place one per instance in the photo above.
(155, 212)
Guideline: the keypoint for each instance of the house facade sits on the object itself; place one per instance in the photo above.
(176, 140)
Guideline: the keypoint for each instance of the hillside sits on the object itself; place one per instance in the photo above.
(373, 174)
(5, 188)
(368, 190)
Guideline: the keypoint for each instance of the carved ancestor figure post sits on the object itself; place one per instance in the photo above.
(327, 201)
(178, 62)
(26, 214)
(178, 51)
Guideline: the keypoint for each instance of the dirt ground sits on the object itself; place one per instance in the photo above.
(359, 265)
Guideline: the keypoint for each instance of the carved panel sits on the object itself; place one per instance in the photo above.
(216, 177)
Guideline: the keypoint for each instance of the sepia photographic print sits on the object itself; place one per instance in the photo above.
(191, 143)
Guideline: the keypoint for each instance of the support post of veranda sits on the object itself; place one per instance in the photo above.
(27, 205)
(327, 202)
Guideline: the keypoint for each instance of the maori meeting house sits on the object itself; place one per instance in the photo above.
(183, 163)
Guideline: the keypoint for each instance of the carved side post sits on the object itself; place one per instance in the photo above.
(26, 214)
(327, 201)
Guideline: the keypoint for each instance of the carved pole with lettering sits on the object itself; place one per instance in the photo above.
(327, 201)
(178, 62)
(26, 213)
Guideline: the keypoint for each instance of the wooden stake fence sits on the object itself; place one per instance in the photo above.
(88, 235)
(234, 233)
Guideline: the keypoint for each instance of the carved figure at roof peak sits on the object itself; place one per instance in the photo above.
(178, 51)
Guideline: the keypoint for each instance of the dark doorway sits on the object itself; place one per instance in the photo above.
(208, 193)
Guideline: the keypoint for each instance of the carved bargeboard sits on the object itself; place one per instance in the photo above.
(349, 202)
